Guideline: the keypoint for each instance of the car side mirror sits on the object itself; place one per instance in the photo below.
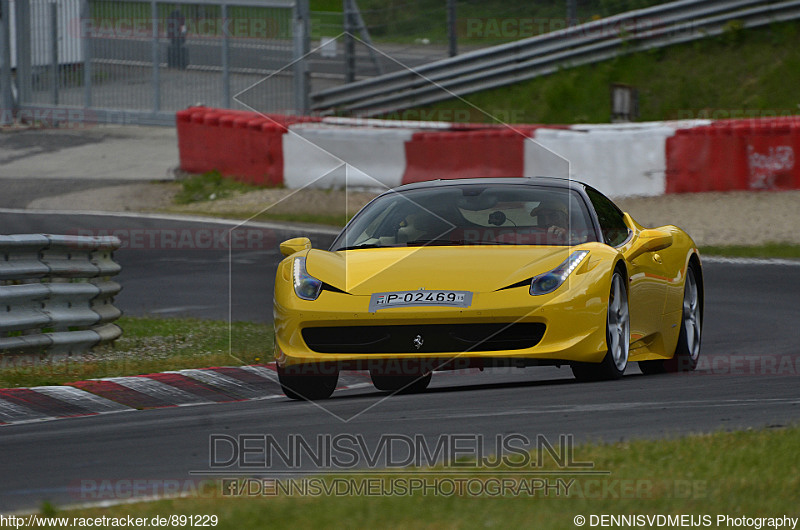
(297, 244)
(650, 240)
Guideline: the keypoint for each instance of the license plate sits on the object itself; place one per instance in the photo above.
(419, 298)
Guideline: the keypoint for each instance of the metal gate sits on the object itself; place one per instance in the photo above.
(122, 61)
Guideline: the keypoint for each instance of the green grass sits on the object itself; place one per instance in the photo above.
(738, 473)
(768, 250)
(151, 345)
(208, 187)
(742, 73)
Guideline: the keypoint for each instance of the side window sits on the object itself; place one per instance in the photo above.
(612, 222)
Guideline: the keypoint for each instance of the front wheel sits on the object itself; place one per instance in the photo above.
(308, 383)
(618, 336)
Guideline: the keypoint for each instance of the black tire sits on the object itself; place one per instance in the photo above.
(687, 351)
(618, 337)
(308, 386)
(400, 384)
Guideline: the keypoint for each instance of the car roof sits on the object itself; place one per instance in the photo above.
(554, 182)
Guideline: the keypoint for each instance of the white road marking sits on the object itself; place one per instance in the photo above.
(233, 223)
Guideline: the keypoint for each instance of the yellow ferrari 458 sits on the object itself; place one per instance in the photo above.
(460, 273)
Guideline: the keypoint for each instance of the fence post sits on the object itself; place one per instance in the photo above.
(87, 27)
(226, 74)
(572, 12)
(349, 43)
(156, 57)
(6, 95)
(451, 28)
(54, 82)
(22, 12)
(301, 37)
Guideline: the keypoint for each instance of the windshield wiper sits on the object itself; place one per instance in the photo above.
(363, 245)
(455, 242)
(423, 242)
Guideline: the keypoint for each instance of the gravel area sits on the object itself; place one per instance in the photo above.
(729, 218)
(140, 197)
(723, 218)
(282, 201)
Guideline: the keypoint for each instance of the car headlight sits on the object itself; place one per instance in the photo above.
(550, 281)
(305, 286)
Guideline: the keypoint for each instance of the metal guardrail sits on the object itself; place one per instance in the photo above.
(55, 294)
(595, 41)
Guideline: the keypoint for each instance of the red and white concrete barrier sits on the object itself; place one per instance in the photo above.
(735, 155)
(620, 159)
(335, 156)
(623, 159)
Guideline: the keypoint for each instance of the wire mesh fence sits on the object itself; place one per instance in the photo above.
(153, 57)
(123, 57)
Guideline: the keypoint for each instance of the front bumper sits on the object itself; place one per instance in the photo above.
(574, 319)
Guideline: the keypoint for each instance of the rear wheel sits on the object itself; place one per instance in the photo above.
(687, 352)
(308, 383)
(401, 384)
(618, 337)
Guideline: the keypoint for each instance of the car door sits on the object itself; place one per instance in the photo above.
(646, 274)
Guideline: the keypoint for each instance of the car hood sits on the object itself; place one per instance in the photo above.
(474, 268)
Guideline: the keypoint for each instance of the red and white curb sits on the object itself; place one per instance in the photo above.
(169, 389)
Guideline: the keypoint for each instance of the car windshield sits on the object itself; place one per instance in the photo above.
(470, 214)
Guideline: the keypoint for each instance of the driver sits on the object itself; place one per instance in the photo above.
(553, 215)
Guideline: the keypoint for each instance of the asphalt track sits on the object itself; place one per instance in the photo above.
(748, 377)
